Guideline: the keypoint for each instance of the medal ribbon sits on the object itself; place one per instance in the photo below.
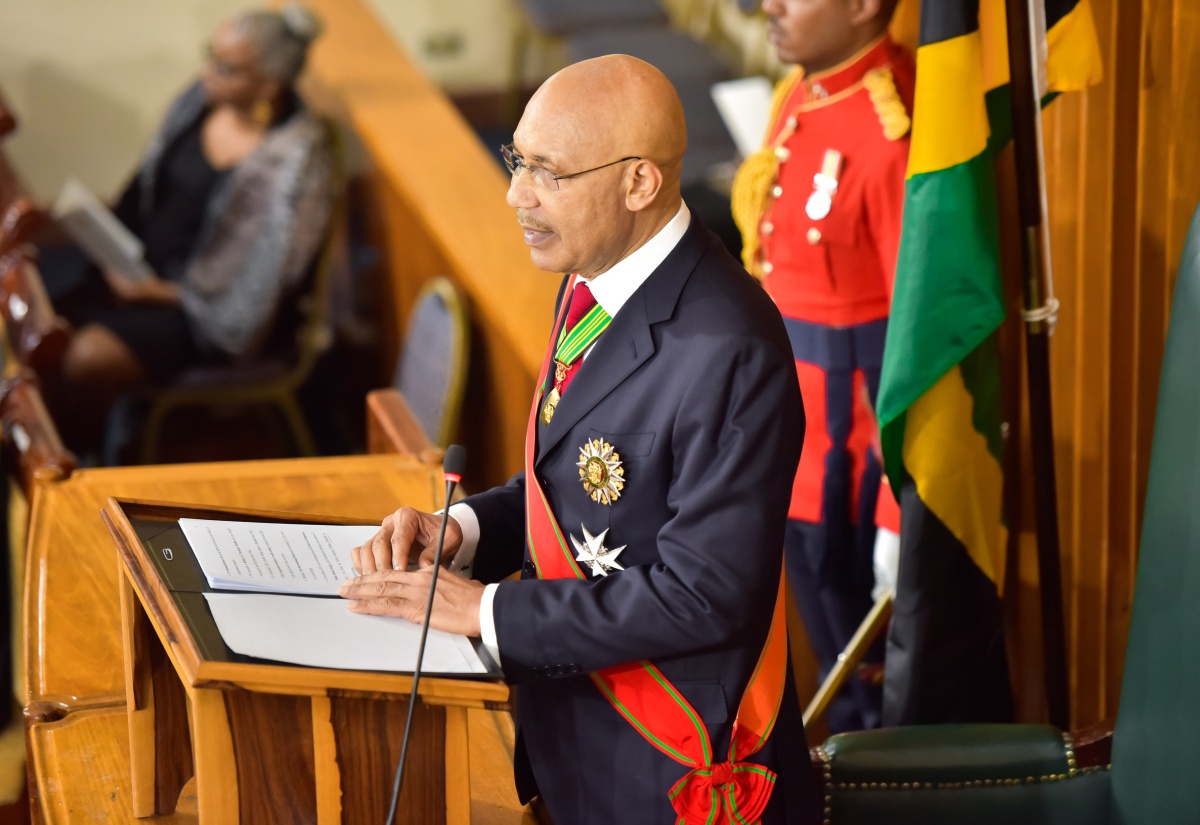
(574, 343)
(730, 793)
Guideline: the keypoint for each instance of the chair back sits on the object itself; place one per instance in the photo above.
(314, 335)
(1156, 745)
(432, 371)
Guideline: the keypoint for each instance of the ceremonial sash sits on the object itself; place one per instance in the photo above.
(734, 792)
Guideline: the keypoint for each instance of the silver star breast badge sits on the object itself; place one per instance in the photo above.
(593, 552)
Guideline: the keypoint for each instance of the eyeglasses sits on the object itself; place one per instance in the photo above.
(224, 68)
(542, 176)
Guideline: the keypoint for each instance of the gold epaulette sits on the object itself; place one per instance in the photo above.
(888, 105)
(752, 183)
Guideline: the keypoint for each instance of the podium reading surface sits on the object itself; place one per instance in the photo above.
(271, 741)
(73, 660)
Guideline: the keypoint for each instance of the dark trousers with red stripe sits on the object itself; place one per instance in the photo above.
(830, 539)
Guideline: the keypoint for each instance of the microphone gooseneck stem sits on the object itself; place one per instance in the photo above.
(452, 479)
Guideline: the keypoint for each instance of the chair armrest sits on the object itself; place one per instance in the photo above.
(392, 428)
(981, 774)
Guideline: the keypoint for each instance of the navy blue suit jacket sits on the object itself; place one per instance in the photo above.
(694, 385)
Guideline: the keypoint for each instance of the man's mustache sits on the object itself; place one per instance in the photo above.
(529, 222)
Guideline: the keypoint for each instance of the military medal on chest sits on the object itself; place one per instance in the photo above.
(553, 397)
(825, 185)
(600, 471)
(572, 343)
(592, 552)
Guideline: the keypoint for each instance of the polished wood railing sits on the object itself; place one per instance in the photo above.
(435, 206)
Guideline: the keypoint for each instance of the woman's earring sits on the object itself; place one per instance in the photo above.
(262, 112)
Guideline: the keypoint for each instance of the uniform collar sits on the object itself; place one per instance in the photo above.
(613, 287)
(878, 54)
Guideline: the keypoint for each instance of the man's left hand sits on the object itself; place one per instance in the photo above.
(404, 594)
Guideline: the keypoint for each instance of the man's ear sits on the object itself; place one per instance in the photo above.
(863, 11)
(644, 182)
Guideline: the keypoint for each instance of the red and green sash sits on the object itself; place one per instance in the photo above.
(730, 793)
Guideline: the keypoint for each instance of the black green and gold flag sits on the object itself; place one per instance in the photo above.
(939, 399)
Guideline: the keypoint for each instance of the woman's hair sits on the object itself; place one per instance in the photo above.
(281, 39)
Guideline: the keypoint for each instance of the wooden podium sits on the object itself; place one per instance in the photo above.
(266, 741)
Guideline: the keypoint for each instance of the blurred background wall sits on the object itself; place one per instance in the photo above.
(91, 79)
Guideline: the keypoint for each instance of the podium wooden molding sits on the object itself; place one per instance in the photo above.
(272, 742)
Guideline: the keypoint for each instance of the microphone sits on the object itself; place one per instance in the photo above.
(452, 469)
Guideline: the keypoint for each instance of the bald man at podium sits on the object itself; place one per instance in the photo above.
(646, 629)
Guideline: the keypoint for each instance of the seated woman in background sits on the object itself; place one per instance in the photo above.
(231, 201)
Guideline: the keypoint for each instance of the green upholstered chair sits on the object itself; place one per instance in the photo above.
(1030, 774)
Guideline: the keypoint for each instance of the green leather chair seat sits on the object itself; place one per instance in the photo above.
(960, 773)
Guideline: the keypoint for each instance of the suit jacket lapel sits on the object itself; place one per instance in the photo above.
(627, 343)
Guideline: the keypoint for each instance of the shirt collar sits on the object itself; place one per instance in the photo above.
(615, 286)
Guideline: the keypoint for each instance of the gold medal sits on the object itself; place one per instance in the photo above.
(550, 405)
(560, 372)
(600, 471)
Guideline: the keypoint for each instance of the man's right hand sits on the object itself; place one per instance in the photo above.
(405, 536)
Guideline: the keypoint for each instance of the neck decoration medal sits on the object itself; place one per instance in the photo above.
(600, 471)
(571, 346)
(825, 184)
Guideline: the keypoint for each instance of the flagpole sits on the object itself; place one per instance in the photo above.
(1039, 316)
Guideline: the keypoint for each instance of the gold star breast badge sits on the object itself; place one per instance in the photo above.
(600, 471)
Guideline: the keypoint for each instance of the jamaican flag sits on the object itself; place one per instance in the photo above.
(939, 399)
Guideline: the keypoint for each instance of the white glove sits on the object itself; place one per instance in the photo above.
(886, 562)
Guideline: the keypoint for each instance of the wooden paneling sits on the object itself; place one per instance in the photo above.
(1123, 170)
(435, 200)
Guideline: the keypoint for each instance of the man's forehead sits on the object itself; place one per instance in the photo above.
(551, 140)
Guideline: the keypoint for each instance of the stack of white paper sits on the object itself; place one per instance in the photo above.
(307, 560)
(275, 558)
(324, 633)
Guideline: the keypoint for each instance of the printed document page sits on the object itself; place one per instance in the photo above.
(745, 107)
(99, 232)
(324, 633)
(277, 558)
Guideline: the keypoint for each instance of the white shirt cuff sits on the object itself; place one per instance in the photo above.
(468, 522)
(487, 623)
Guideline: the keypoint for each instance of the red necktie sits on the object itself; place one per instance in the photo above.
(582, 302)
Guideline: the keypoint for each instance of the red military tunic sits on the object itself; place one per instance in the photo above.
(826, 250)
(836, 271)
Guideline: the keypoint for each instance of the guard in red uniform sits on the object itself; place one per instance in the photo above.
(819, 208)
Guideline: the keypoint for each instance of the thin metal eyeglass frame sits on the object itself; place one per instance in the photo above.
(515, 163)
